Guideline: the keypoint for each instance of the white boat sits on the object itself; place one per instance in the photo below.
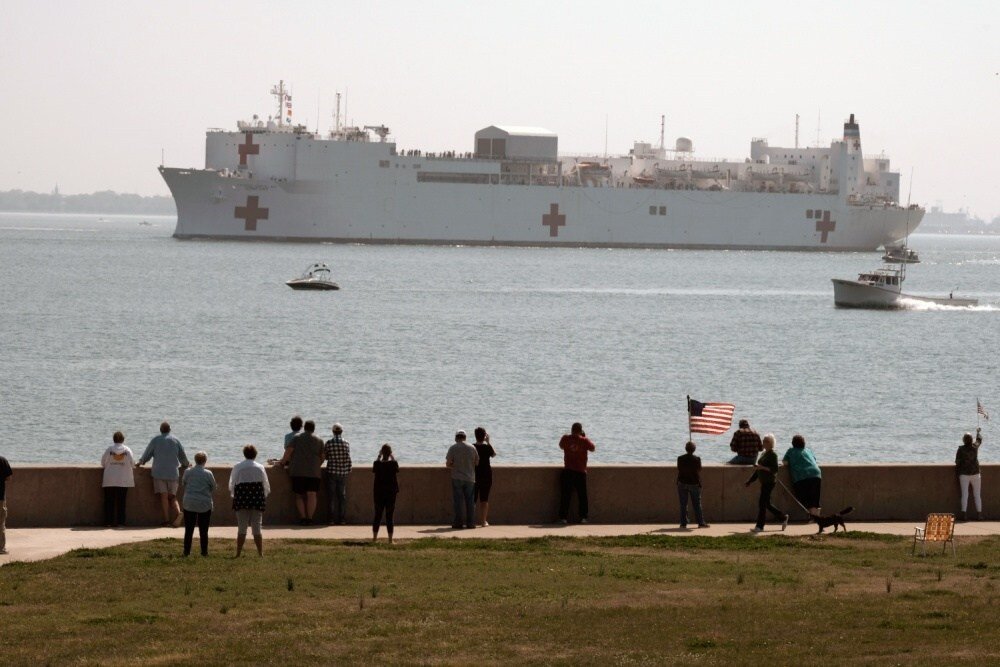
(882, 288)
(900, 255)
(315, 277)
(272, 179)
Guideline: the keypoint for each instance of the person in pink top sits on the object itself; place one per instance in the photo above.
(575, 445)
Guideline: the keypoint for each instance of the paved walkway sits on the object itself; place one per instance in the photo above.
(25, 544)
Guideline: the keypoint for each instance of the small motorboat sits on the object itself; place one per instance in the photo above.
(315, 277)
(900, 255)
(882, 288)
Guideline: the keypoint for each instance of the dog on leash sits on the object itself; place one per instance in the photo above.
(835, 520)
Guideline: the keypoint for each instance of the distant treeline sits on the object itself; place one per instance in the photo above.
(105, 201)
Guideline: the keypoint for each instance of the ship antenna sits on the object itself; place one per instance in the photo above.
(605, 136)
(662, 126)
(796, 131)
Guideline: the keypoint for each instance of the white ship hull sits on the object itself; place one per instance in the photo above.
(274, 181)
(354, 210)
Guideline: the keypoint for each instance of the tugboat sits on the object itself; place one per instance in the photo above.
(883, 288)
(315, 277)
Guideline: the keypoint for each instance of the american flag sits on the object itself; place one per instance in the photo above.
(711, 418)
(981, 410)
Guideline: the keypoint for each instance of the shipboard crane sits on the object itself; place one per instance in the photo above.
(381, 130)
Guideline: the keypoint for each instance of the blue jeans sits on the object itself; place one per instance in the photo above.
(336, 497)
(742, 460)
(463, 493)
(685, 490)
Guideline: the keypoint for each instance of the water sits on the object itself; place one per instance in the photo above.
(108, 324)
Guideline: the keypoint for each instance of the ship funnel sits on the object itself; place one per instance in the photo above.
(851, 129)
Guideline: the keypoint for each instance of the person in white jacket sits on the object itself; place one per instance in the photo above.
(249, 487)
(118, 464)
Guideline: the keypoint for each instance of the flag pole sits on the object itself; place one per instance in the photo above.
(978, 404)
(689, 417)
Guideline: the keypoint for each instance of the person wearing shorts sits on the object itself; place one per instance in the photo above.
(304, 460)
(168, 457)
(249, 488)
(484, 473)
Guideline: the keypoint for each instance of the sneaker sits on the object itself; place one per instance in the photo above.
(178, 521)
(583, 520)
(3, 552)
(683, 526)
(784, 523)
(486, 524)
(756, 529)
(704, 525)
(563, 521)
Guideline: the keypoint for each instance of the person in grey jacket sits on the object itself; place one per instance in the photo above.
(168, 456)
(199, 485)
(462, 460)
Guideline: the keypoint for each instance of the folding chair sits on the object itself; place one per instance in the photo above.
(939, 528)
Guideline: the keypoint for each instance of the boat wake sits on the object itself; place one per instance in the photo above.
(916, 304)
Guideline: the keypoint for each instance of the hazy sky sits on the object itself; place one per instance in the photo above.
(94, 90)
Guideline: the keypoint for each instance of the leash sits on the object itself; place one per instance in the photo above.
(792, 495)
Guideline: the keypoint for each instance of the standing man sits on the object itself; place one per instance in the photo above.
(304, 460)
(764, 472)
(575, 446)
(168, 456)
(746, 443)
(967, 469)
(462, 459)
(338, 469)
(4, 474)
(296, 426)
(689, 485)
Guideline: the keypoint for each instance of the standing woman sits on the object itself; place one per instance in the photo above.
(118, 478)
(967, 469)
(484, 473)
(385, 489)
(199, 485)
(806, 476)
(249, 487)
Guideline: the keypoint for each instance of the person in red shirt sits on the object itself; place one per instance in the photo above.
(575, 446)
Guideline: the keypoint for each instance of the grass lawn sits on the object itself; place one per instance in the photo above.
(648, 599)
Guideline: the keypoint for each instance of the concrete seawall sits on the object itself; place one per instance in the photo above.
(44, 496)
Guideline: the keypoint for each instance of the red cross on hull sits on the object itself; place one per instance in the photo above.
(554, 220)
(824, 224)
(247, 148)
(251, 213)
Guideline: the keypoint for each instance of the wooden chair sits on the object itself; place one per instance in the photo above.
(939, 528)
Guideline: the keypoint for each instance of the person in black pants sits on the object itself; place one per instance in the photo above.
(575, 446)
(765, 471)
(385, 490)
(199, 485)
(484, 473)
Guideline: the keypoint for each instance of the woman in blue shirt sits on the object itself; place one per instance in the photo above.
(199, 485)
(806, 476)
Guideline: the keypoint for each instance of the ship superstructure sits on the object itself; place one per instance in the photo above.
(272, 179)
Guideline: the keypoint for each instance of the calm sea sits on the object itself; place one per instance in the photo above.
(108, 324)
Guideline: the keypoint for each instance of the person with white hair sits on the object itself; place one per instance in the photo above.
(462, 460)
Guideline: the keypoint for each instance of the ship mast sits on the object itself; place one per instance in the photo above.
(663, 120)
(336, 126)
(280, 92)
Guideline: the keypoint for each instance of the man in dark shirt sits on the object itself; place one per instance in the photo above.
(689, 485)
(304, 458)
(4, 474)
(746, 443)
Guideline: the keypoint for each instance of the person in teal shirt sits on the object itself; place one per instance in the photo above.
(807, 478)
(199, 485)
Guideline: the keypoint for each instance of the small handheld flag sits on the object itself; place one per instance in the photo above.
(981, 410)
(710, 418)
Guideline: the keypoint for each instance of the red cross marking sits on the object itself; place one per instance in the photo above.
(825, 225)
(251, 213)
(248, 148)
(554, 219)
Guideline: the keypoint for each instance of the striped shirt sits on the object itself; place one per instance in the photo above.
(338, 456)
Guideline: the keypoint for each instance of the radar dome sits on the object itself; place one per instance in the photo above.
(684, 145)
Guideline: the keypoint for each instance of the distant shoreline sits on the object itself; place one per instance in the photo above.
(105, 202)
